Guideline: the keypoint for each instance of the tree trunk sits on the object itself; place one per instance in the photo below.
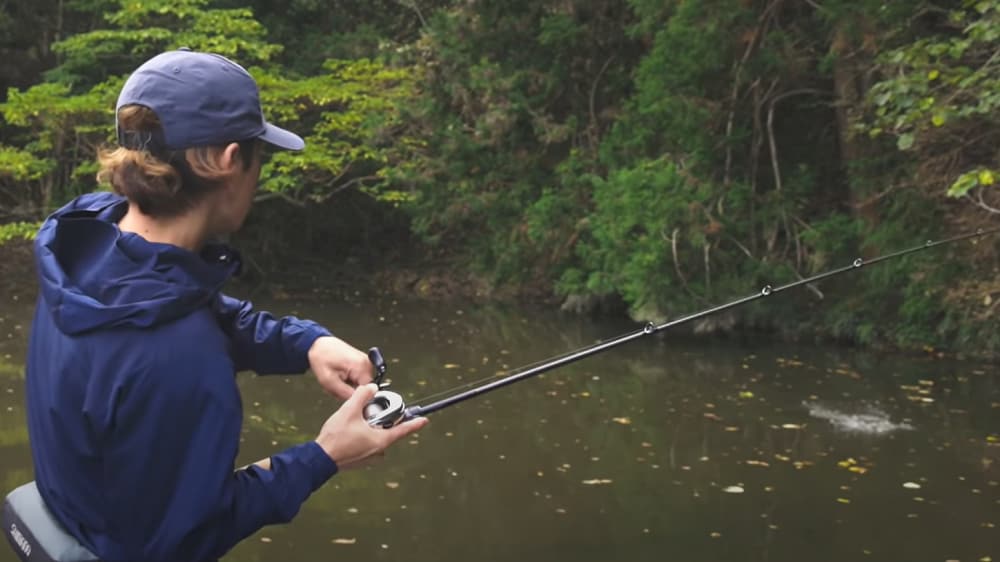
(852, 51)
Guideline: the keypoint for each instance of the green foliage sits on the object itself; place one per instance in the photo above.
(17, 231)
(314, 31)
(356, 133)
(675, 108)
(945, 87)
(626, 249)
(57, 132)
(22, 165)
(139, 30)
(348, 112)
(511, 89)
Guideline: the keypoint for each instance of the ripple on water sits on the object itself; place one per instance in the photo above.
(866, 419)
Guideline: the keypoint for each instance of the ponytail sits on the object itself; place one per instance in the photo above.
(167, 184)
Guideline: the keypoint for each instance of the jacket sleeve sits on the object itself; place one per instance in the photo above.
(180, 434)
(263, 343)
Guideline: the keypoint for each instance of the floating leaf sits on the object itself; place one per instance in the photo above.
(344, 541)
(623, 420)
(596, 481)
(392, 485)
(733, 489)
(911, 485)
(843, 500)
(791, 426)
(451, 366)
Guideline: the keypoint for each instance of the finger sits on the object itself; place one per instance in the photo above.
(362, 373)
(406, 428)
(339, 388)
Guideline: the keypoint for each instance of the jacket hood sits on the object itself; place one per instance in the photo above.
(93, 275)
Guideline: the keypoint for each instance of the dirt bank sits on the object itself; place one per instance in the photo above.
(438, 281)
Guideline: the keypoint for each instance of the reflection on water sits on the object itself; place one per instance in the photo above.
(661, 449)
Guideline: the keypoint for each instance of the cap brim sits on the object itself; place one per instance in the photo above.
(281, 138)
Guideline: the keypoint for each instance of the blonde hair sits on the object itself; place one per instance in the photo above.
(167, 184)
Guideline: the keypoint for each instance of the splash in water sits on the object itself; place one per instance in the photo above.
(867, 419)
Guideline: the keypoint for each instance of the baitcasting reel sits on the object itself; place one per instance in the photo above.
(386, 408)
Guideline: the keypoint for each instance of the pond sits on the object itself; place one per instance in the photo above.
(667, 448)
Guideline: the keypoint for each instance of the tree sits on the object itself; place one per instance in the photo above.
(347, 112)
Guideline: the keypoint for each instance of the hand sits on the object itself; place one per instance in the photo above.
(339, 367)
(350, 441)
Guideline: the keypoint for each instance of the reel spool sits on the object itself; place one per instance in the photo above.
(385, 410)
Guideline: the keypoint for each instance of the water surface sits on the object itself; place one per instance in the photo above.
(663, 449)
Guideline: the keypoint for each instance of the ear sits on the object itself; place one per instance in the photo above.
(229, 158)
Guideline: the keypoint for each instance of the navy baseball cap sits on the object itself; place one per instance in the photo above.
(201, 99)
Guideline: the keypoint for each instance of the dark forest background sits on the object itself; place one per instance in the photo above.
(663, 156)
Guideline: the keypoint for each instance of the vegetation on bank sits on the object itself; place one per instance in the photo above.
(671, 155)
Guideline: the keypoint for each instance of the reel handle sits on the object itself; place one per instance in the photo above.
(378, 362)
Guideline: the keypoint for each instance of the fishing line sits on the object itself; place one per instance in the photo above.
(497, 375)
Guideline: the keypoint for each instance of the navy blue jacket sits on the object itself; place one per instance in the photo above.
(133, 410)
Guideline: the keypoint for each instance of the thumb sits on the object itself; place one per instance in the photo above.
(362, 395)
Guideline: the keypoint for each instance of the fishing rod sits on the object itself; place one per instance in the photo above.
(387, 408)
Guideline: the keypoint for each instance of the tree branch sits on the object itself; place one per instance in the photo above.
(347, 185)
(593, 95)
(978, 201)
(412, 4)
(677, 266)
(278, 195)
